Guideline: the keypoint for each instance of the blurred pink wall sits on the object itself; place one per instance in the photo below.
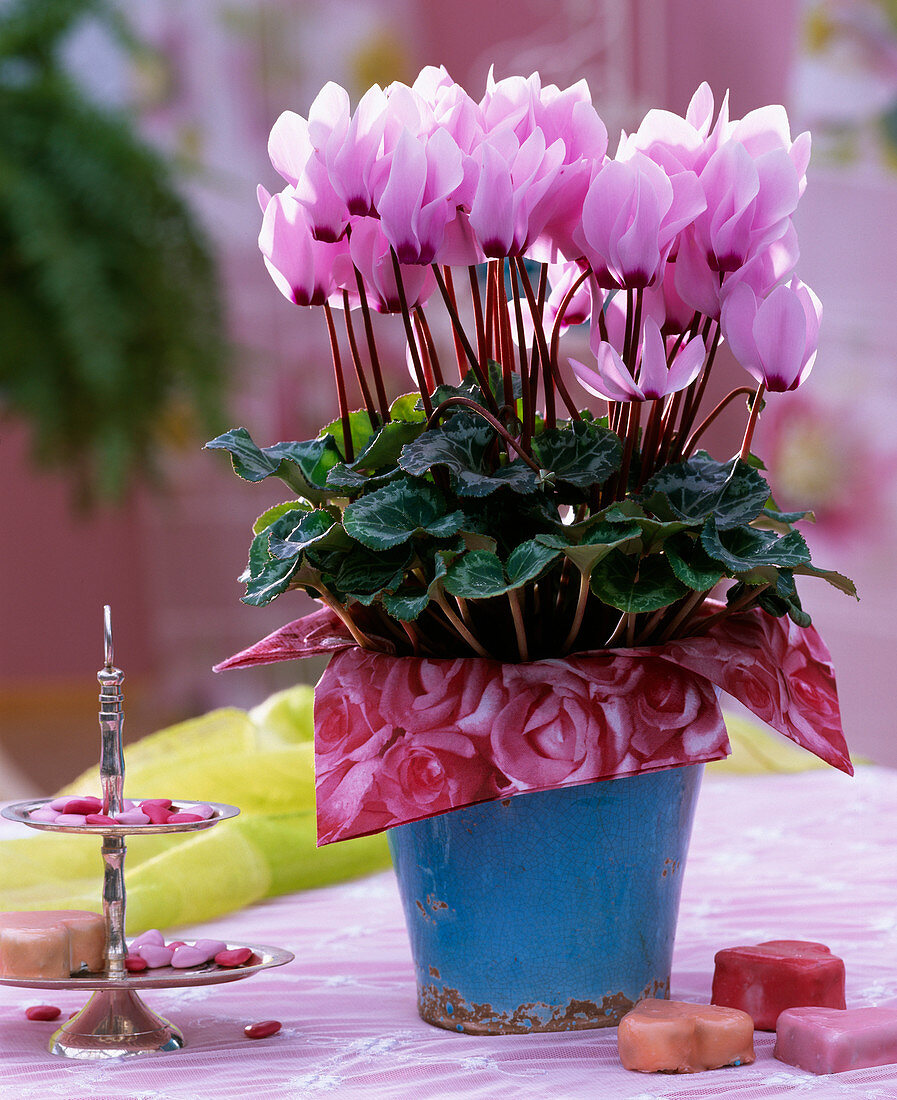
(168, 565)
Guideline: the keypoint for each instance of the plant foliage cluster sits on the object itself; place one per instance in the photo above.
(109, 318)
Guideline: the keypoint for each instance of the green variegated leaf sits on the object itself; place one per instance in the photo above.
(396, 513)
(635, 584)
(478, 575)
(747, 548)
(408, 408)
(295, 532)
(597, 539)
(691, 563)
(363, 575)
(837, 580)
(269, 580)
(785, 519)
(408, 601)
(384, 448)
(528, 561)
(303, 466)
(267, 518)
(733, 493)
(481, 575)
(582, 454)
(461, 445)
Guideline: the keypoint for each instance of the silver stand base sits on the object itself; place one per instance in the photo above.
(114, 1022)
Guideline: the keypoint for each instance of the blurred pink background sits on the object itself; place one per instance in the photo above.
(222, 72)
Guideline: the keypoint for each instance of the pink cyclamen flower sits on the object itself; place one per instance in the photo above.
(418, 200)
(304, 270)
(749, 204)
(303, 151)
(654, 380)
(513, 199)
(774, 338)
(631, 216)
(369, 250)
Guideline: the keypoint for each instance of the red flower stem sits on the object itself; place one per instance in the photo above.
(635, 414)
(409, 335)
(526, 396)
(477, 304)
(636, 331)
(690, 405)
(649, 441)
(459, 349)
(459, 626)
(555, 342)
(617, 631)
(578, 615)
(542, 294)
(348, 449)
(668, 427)
(545, 358)
(356, 362)
(689, 606)
(413, 637)
(431, 346)
(752, 422)
(740, 604)
(650, 626)
(519, 627)
(343, 615)
(372, 348)
(630, 328)
(598, 296)
(689, 416)
(462, 335)
(507, 341)
(424, 352)
(708, 420)
(490, 311)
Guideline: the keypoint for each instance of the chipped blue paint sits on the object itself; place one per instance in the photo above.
(547, 911)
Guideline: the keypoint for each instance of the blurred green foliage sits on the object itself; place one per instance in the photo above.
(110, 316)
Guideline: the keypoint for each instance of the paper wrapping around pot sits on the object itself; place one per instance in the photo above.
(398, 739)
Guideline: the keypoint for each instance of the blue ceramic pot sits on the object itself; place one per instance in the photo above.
(550, 911)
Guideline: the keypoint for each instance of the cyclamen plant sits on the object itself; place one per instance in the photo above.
(488, 513)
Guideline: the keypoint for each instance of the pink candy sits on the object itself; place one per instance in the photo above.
(132, 817)
(235, 957)
(88, 810)
(88, 805)
(187, 956)
(155, 955)
(150, 947)
(44, 814)
(70, 819)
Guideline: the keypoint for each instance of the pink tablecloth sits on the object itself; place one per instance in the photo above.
(810, 856)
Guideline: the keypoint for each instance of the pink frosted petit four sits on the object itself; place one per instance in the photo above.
(765, 979)
(680, 1037)
(830, 1040)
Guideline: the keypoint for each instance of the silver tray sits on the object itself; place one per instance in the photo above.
(18, 811)
(165, 977)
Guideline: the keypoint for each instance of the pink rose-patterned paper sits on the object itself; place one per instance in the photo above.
(398, 739)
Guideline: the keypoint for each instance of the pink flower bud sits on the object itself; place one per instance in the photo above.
(774, 338)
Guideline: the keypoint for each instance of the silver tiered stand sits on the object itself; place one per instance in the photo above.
(115, 1021)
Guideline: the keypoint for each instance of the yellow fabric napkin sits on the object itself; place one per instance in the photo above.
(261, 761)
